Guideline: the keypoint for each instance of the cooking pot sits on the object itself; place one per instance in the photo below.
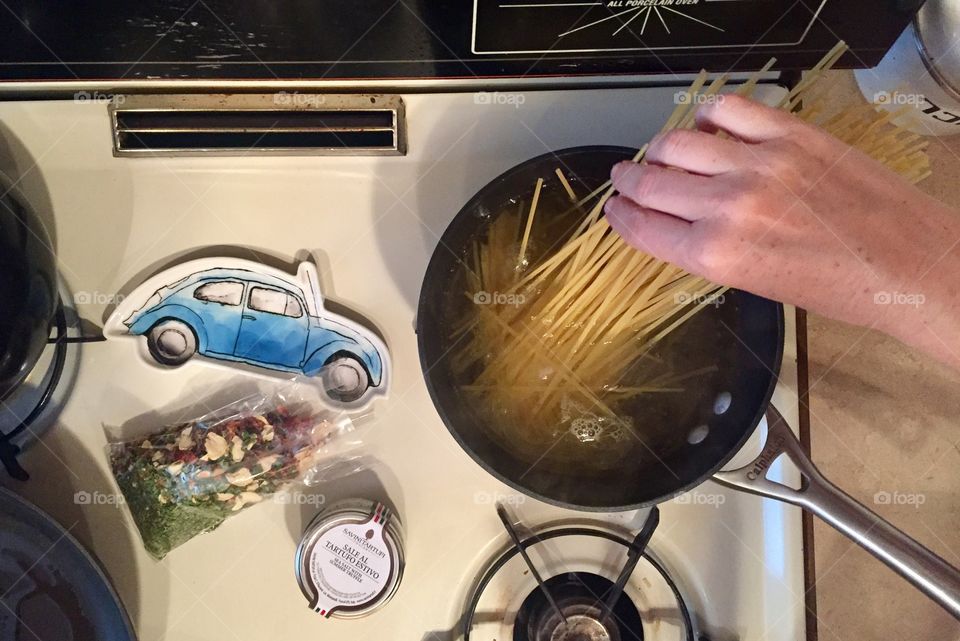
(696, 436)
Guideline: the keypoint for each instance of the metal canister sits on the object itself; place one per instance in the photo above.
(919, 77)
(350, 559)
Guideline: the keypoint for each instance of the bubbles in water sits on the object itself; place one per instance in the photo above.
(698, 434)
(586, 430)
(722, 403)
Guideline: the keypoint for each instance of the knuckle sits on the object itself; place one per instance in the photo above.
(733, 100)
(790, 162)
(725, 102)
(709, 256)
(787, 151)
(671, 144)
(643, 184)
(801, 132)
(711, 109)
(745, 197)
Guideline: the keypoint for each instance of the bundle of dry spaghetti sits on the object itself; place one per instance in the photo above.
(580, 314)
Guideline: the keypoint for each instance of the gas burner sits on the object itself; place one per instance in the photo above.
(27, 412)
(580, 596)
(579, 567)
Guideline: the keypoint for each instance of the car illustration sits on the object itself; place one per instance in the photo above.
(262, 319)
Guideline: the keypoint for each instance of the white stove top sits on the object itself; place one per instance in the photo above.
(371, 224)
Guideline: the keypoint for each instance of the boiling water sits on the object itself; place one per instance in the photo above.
(648, 428)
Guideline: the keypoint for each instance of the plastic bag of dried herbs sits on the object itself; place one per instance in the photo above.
(187, 478)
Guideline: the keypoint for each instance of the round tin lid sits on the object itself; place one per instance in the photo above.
(349, 562)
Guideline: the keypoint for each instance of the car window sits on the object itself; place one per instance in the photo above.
(225, 292)
(274, 301)
(293, 307)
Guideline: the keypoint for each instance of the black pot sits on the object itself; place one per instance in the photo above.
(751, 352)
(28, 288)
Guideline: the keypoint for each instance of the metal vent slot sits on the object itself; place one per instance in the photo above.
(258, 124)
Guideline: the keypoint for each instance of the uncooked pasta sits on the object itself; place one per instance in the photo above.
(584, 311)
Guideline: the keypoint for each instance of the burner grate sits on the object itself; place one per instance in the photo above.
(9, 450)
(580, 596)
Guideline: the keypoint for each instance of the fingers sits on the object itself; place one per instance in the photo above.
(745, 119)
(684, 195)
(697, 152)
(650, 231)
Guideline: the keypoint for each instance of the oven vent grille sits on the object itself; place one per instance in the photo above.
(284, 124)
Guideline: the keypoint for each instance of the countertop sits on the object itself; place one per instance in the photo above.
(885, 419)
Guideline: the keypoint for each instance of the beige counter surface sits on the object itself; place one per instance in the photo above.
(885, 426)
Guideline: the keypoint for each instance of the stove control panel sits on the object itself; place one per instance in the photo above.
(560, 26)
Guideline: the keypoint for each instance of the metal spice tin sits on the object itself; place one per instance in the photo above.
(350, 559)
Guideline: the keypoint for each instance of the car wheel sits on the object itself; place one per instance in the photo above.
(345, 379)
(171, 342)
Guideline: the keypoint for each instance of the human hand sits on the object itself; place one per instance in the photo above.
(782, 209)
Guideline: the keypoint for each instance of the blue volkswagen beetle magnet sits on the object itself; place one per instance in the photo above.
(238, 311)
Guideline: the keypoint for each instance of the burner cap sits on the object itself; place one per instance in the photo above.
(581, 627)
(580, 596)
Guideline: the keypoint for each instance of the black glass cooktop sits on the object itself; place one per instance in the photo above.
(350, 39)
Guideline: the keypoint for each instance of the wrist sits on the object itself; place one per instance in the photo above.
(925, 313)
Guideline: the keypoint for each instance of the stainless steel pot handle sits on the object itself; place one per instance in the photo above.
(932, 575)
